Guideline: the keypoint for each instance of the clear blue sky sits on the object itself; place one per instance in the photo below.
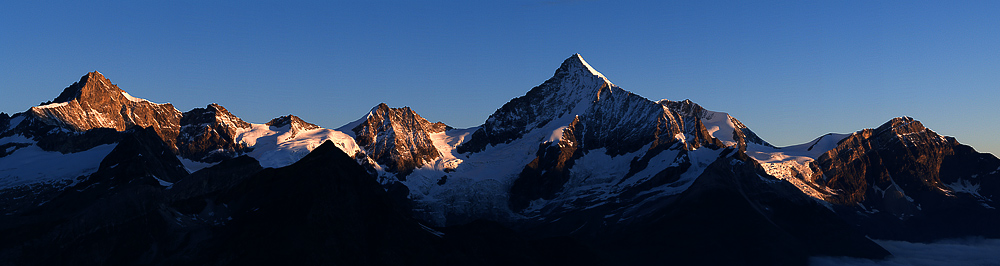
(791, 71)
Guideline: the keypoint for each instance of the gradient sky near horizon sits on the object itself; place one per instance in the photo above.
(790, 70)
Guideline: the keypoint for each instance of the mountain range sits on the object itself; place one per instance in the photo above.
(576, 171)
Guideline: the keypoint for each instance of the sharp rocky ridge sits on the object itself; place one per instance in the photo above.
(900, 180)
(576, 161)
(398, 138)
(201, 136)
(209, 134)
(94, 102)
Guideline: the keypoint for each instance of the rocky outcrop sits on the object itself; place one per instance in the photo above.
(93, 102)
(397, 138)
(4, 122)
(904, 181)
(210, 134)
(623, 122)
(901, 151)
(693, 114)
(294, 123)
(548, 172)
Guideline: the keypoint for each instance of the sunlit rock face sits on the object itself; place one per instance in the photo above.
(729, 130)
(902, 180)
(397, 138)
(210, 134)
(93, 102)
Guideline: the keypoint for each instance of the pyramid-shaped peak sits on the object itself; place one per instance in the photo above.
(91, 85)
(575, 63)
(381, 107)
(377, 114)
(95, 75)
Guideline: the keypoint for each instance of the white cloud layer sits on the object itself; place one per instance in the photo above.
(967, 251)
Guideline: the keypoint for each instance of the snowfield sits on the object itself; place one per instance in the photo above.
(282, 146)
(31, 165)
(783, 162)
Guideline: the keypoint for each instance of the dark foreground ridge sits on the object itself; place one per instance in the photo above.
(324, 209)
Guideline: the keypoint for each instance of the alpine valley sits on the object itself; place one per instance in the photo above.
(577, 171)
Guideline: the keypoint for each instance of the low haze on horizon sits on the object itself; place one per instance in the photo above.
(790, 71)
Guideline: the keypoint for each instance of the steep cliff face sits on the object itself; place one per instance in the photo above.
(545, 176)
(4, 122)
(210, 134)
(901, 153)
(397, 138)
(93, 102)
(900, 180)
(622, 122)
(729, 130)
(610, 116)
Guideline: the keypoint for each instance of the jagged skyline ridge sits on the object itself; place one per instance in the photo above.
(569, 84)
(832, 67)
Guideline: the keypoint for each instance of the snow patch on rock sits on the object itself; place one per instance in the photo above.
(966, 186)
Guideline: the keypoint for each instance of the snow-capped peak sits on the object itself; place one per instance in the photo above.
(579, 58)
(349, 127)
(576, 65)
